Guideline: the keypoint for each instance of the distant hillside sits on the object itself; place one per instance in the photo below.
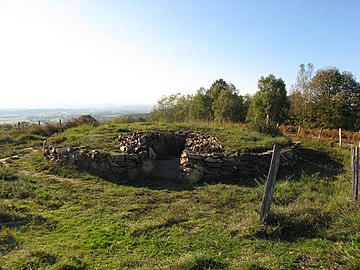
(53, 114)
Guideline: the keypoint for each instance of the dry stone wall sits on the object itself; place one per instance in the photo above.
(201, 156)
(125, 166)
(216, 165)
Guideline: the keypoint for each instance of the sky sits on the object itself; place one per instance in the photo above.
(78, 53)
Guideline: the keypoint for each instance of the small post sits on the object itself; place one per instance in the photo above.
(18, 125)
(320, 133)
(39, 123)
(270, 184)
(355, 173)
(299, 129)
(340, 137)
(60, 122)
(267, 119)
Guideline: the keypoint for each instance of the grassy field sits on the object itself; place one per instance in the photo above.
(74, 220)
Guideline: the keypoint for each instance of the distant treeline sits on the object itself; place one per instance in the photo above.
(329, 99)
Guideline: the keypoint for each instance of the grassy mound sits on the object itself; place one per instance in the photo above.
(234, 137)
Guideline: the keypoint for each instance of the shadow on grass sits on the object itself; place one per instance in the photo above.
(312, 162)
(150, 182)
(288, 227)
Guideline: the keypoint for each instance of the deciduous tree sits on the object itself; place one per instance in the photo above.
(271, 100)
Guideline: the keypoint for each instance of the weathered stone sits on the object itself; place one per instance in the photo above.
(118, 159)
(229, 163)
(214, 165)
(118, 170)
(148, 166)
(229, 169)
(195, 157)
(213, 160)
(132, 157)
(240, 163)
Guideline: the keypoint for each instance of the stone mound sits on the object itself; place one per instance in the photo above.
(169, 143)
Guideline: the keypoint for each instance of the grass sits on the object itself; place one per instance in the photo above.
(79, 221)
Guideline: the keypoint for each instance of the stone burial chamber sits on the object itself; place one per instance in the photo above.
(190, 156)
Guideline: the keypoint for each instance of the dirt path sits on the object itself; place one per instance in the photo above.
(7, 161)
(24, 152)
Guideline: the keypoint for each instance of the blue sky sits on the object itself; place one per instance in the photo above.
(87, 52)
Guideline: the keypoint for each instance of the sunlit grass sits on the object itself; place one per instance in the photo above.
(79, 221)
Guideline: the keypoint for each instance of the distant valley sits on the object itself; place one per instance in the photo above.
(54, 114)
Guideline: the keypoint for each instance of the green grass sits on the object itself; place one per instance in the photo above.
(14, 141)
(234, 137)
(79, 221)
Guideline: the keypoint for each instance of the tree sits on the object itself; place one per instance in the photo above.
(335, 100)
(271, 100)
(216, 88)
(229, 106)
(201, 106)
(172, 108)
(300, 93)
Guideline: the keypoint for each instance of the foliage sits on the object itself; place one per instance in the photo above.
(335, 100)
(265, 128)
(82, 120)
(300, 94)
(201, 106)
(330, 99)
(229, 106)
(171, 108)
(126, 119)
(271, 100)
(221, 103)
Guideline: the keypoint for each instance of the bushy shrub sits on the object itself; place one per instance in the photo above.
(82, 120)
(267, 128)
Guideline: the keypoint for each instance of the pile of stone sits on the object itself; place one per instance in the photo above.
(200, 143)
(169, 143)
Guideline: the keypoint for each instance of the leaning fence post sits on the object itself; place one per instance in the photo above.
(298, 131)
(270, 184)
(355, 173)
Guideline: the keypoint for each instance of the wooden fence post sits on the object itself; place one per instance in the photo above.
(18, 125)
(267, 119)
(39, 123)
(355, 173)
(340, 137)
(270, 184)
(320, 133)
(60, 122)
